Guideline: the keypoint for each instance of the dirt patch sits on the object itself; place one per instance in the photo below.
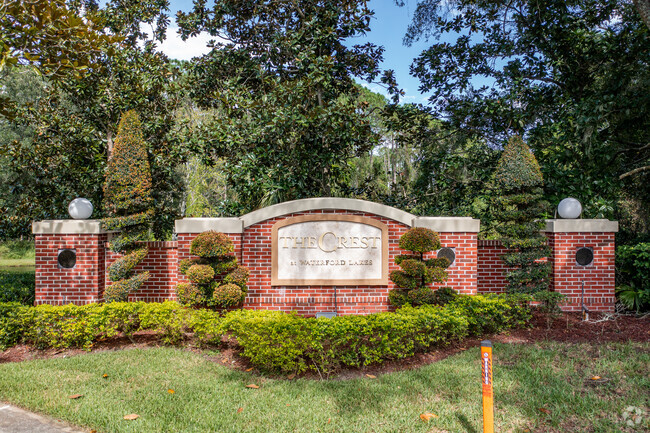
(568, 327)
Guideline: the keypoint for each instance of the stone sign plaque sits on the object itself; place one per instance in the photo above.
(325, 249)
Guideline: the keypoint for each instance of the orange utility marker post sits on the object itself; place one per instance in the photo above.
(486, 379)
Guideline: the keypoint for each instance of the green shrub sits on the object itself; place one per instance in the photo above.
(189, 294)
(211, 244)
(239, 277)
(284, 342)
(47, 326)
(12, 323)
(416, 273)
(419, 240)
(17, 286)
(633, 276)
(216, 258)
(17, 249)
(119, 291)
(121, 269)
(185, 264)
(200, 274)
(228, 296)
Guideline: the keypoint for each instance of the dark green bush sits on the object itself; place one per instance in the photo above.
(17, 286)
(211, 244)
(121, 269)
(633, 276)
(271, 340)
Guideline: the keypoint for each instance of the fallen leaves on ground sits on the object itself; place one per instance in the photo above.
(171, 391)
(428, 416)
(240, 410)
(131, 416)
(291, 376)
(595, 378)
(252, 385)
(249, 369)
(105, 376)
(544, 410)
(370, 376)
(76, 396)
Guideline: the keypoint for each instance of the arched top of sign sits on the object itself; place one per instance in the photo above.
(329, 250)
(325, 203)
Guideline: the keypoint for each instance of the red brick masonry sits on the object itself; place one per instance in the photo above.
(477, 269)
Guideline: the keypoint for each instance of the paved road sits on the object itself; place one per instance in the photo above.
(16, 420)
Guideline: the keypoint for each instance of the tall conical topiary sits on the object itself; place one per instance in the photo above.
(128, 201)
(518, 208)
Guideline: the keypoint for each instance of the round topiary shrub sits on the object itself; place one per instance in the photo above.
(223, 264)
(422, 296)
(200, 274)
(416, 273)
(211, 244)
(398, 298)
(239, 276)
(228, 296)
(189, 294)
(185, 264)
(419, 240)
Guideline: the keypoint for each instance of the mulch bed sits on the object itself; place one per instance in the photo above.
(568, 327)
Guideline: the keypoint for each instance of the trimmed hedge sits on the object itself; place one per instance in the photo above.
(285, 342)
(273, 341)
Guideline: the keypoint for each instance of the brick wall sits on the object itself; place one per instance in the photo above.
(567, 275)
(477, 269)
(162, 264)
(598, 277)
(491, 269)
(79, 285)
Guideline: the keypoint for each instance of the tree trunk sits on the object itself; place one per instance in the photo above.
(643, 7)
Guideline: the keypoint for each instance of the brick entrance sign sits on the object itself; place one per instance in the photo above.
(321, 255)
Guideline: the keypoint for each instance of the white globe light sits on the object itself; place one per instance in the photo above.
(80, 208)
(569, 208)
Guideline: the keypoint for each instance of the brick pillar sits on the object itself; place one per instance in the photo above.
(84, 282)
(565, 238)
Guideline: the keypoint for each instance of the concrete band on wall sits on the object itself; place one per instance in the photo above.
(64, 227)
(238, 225)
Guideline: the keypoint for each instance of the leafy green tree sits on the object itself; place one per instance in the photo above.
(289, 120)
(49, 36)
(518, 207)
(76, 120)
(128, 202)
(572, 76)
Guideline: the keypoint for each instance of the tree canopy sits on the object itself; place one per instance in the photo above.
(571, 76)
(282, 82)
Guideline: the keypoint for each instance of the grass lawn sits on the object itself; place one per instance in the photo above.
(16, 265)
(207, 396)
